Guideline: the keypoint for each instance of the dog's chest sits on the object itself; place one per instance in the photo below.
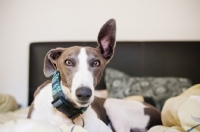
(44, 111)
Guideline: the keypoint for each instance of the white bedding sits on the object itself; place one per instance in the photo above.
(16, 121)
(27, 125)
(13, 115)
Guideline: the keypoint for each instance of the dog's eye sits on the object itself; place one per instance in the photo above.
(69, 63)
(96, 63)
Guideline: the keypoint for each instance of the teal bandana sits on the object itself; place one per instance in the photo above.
(56, 87)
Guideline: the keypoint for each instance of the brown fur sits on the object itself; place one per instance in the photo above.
(94, 54)
(154, 114)
(97, 106)
(67, 74)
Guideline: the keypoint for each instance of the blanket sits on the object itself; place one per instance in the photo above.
(181, 113)
(7, 103)
(13, 119)
(27, 125)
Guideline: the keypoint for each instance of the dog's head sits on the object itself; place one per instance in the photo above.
(81, 67)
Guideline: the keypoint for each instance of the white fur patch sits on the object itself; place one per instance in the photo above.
(44, 111)
(129, 114)
(83, 77)
(93, 123)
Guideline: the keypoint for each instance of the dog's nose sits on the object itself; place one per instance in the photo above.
(83, 93)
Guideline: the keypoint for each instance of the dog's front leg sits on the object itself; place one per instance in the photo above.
(97, 126)
(93, 123)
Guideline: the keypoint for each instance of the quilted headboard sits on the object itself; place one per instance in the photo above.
(177, 59)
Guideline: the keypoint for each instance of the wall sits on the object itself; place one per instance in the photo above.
(23, 22)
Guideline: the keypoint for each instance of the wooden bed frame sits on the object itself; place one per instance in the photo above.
(158, 59)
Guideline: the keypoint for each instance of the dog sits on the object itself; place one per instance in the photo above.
(76, 72)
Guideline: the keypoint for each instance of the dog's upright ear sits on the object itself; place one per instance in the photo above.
(50, 61)
(106, 39)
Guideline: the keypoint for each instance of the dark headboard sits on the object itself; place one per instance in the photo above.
(177, 59)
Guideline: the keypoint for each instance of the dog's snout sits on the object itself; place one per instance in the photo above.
(83, 93)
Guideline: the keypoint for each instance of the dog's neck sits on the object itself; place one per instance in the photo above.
(60, 101)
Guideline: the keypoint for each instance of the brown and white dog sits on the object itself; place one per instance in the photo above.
(80, 70)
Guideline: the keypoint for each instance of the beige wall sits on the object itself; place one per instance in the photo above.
(26, 21)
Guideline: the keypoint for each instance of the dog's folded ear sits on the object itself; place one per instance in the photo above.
(106, 39)
(50, 61)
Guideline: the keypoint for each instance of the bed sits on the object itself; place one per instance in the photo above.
(171, 62)
(154, 71)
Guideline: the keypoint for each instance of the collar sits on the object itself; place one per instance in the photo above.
(60, 103)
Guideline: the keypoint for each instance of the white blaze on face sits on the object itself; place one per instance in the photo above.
(83, 77)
